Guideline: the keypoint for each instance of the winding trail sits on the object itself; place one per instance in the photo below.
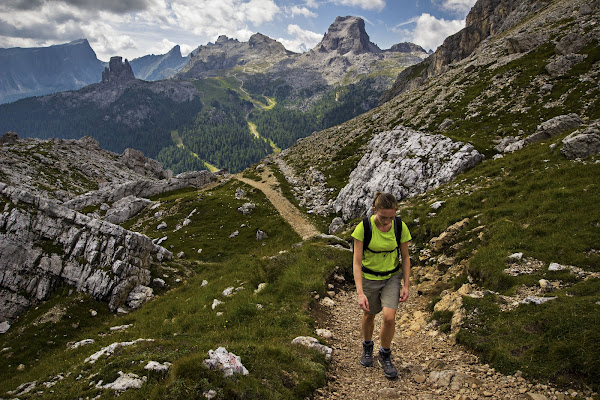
(430, 365)
(287, 210)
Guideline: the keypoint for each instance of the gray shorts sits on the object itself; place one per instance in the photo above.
(384, 293)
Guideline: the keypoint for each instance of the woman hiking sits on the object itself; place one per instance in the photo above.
(381, 282)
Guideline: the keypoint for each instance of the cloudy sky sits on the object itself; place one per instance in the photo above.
(133, 28)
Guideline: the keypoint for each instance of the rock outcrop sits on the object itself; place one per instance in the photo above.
(347, 35)
(403, 162)
(44, 244)
(143, 188)
(582, 143)
(117, 71)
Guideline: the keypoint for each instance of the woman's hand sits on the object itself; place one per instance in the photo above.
(404, 293)
(363, 302)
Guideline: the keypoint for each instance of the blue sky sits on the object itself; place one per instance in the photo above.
(133, 28)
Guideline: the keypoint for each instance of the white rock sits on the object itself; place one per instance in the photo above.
(437, 205)
(313, 343)
(516, 257)
(162, 225)
(324, 333)
(228, 291)
(225, 361)
(108, 350)
(125, 382)
(156, 366)
(405, 163)
(4, 326)
(216, 303)
(557, 267)
(84, 342)
(120, 327)
(260, 288)
(537, 300)
(204, 283)
(327, 302)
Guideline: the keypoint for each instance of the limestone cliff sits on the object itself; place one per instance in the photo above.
(45, 242)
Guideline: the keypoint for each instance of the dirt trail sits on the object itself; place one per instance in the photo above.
(430, 365)
(287, 210)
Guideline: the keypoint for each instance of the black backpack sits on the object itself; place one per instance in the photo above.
(367, 240)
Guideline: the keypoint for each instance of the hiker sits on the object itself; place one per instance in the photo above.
(381, 281)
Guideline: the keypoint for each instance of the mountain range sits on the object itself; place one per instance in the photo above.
(231, 104)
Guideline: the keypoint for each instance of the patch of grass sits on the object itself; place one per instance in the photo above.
(215, 219)
(444, 320)
(258, 327)
(557, 340)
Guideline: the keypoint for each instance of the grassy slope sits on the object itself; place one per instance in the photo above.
(536, 202)
(181, 321)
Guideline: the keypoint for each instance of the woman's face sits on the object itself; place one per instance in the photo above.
(384, 217)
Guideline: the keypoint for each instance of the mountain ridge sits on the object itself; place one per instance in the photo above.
(63, 67)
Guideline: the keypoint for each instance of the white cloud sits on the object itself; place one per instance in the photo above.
(461, 7)
(430, 32)
(129, 27)
(304, 40)
(305, 12)
(211, 18)
(377, 5)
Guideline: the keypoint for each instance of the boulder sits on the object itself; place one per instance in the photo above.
(336, 225)
(225, 361)
(582, 144)
(523, 43)
(9, 137)
(405, 163)
(313, 343)
(554, 126)
(135, 160)
(247, 208)
(125, 208)
(562, 64)
(138, 296)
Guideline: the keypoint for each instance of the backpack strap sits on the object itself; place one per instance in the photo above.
(368, 232)
(398, 233)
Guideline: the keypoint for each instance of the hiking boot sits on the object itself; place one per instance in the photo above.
(367, 355)
(385, 361)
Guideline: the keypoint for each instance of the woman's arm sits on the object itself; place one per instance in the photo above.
(357, 271)
(405, 271)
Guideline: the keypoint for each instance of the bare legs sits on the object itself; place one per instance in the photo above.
(388, 327)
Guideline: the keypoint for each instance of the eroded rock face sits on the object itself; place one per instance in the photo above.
(44, 244)
(140, 188)
(582, 143)
(405, 163)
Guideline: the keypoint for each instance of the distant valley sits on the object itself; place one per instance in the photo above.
(227, 105)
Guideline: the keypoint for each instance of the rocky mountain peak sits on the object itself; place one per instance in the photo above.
(259, 41)
(407, 47)
(345, 35)
(175, 51)
(223, 39)
(117, 71)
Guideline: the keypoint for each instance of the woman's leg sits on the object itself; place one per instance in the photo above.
(388, 327)
(368, 324)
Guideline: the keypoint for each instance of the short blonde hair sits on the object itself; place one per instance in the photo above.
(385, 201)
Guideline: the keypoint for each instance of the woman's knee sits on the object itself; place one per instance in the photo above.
(389, 317)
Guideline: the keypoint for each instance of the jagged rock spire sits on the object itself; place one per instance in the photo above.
(347, 34)
(117, 71)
